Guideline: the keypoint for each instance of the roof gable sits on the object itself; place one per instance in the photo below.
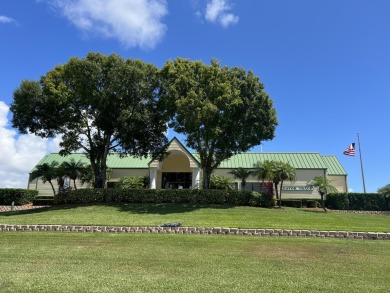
(175, 147)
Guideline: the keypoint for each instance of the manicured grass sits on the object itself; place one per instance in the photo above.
(199, 216)
(73, 262)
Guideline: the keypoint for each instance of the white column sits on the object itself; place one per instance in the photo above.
(153, 178)
(195, 178)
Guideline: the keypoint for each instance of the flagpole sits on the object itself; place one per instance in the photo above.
(361, 163)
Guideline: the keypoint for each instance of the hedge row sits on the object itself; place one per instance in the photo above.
(357, 201)
(198, 196)
(300, 203)
(17, 195)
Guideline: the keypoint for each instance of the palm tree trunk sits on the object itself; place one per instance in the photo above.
(52, 187)
(322, 202)
(280, 194)
(74, 184)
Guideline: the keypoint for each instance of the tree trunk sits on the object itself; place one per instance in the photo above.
(322, 202)
(99, 179)
(206, 178)
(280, 194)
(52, 187)
(276, 190)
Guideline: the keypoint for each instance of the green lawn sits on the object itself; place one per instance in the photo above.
(199, 216)
(76, 262)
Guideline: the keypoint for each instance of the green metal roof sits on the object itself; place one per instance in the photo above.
(297, 160)
(114, 161)
(244, 160)
(333, 165)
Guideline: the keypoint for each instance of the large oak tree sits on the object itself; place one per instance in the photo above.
(221, 111)
(99, 104)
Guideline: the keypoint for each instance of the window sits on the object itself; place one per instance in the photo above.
(172, 180)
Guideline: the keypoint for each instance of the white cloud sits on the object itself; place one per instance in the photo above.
(218, 11)
(6, 19)
(19, 154)
(132, 22)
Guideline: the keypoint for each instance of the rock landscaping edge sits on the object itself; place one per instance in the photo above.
(193, 230)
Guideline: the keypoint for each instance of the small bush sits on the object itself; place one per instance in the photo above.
(43, 200)
(130, 182)
(310, 203)
(17, 195)
(265, 200)
(221, 182)
(294, 203)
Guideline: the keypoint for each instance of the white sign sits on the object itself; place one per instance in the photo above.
(297, 188)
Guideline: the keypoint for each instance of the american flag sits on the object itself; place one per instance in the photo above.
(350, 151)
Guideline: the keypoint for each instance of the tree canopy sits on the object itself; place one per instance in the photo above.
(99, 104)
(221, 111)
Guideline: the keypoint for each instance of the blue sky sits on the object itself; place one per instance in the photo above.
(325, 64)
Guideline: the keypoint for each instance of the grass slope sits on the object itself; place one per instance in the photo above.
(199, 216)
(72, 262)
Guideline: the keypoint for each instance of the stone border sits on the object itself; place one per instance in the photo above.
(193, 230)
(20, 208)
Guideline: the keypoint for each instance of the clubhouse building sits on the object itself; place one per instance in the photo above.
(181, 169)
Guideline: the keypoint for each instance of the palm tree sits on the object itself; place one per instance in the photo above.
(323, 186)
(46, 173)
(283, 171)
(241, 173)
(262, 170)
(265, 170)
(74, 170)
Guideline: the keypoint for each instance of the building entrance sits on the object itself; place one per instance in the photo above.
(176, 180)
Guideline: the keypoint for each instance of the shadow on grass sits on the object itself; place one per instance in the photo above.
(165, 208)
(37, 210)
(315, 211)
(133, 208)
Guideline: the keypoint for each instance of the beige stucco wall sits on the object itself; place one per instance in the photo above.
(176, 163)
(340, 182)
(117, 174)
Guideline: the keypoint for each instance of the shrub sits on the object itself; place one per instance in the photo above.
(367, 201)
(43, 200)
(17, 195)
(356, 201)
(221, 182)
(130, 182)
(195, 196)
(262, 200)
(310, 203)
(295, 203)
(337, 201)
